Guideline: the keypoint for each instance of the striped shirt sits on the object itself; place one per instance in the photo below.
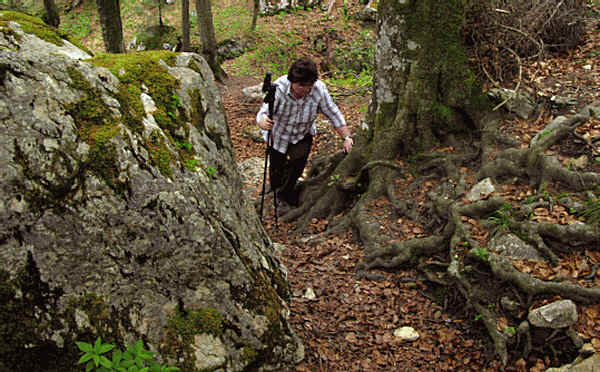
(295, 118)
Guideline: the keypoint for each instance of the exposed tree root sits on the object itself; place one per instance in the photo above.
(505, 270)
(349, 184)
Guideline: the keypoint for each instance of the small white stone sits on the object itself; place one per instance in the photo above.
(406, 334)
(309, 294)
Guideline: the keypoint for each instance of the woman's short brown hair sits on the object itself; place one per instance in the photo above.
(303, 70)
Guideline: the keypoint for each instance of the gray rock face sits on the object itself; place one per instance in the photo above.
(509, 245)
(520, 103)
(481, 190)
(122, 219)
(557, 314)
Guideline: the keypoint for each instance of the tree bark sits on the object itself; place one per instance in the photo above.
(185, 25)
(51, 17)
(160, 5)
(208, 38)
(423, 86)
(109, 12)
(255, 11)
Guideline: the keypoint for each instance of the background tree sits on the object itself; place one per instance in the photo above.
(185, 25)
(208, 38)
(51, 16)
(160, 5)
(109, 13)
(255, 11)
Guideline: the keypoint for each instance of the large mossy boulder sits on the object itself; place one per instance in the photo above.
(122, 213)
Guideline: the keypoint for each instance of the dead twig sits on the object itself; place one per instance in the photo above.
(540, 44)
(514, 93)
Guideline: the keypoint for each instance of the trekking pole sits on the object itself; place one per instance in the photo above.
(269, 89)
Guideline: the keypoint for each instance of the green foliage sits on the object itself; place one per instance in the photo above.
(502, 215)
(232, 20)
(358, 56)
(134, 359)
(510, 331)
(77, 24)
(333, 179)
(211, 171)
(275, 54)
(351, 81)
(592, 211)
(482, 253)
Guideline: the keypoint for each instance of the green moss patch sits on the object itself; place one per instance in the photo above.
(144, 69)
(96, 125)
(181, 328)
(159, 154)
(35, 26)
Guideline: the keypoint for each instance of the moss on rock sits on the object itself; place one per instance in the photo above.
(182, 326)
(35, 26)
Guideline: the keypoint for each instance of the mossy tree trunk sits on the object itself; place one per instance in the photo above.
(427, 120)
(109, 12)
(424, 95)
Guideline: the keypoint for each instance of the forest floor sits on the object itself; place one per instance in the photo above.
(349, 324)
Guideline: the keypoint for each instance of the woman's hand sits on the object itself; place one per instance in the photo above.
(265, 123)
(348, 143)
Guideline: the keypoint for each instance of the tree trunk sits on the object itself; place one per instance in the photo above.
(208, 38)
(160, 5)
(424, 94)
(422, 82)
(255, 11)
(185, 25)
(109, 12)
(51, 17)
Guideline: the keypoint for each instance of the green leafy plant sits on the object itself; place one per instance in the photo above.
(482, 253)
(185, 145)
(501, 216)
(134, 359)
(510, 331)
(333, 179)
(211, 171)
(191, 164)
(592, 211)
(478, 316)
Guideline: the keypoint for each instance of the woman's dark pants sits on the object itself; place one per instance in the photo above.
(285, 169)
